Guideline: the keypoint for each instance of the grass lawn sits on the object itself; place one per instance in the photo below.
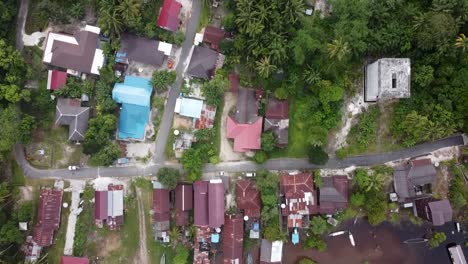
(217, 127)
(297, 146)
(205, 15)
(55, 252)
(18, 178)
(168, 150)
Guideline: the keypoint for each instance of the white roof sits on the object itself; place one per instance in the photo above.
(276, 251)
(165, 47)
(98, 61)
(92, 29)
(23, 226)
(115, 203)
(50, 42)
(177, 105)
(198, 39)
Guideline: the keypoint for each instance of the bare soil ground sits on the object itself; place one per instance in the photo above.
(440, 188)
(26, 193)
(182, 123)
(226, 152)
(142, 256)
(110, 243)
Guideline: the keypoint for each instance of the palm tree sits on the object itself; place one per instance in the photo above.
(129, 9)
(338, 49)
(277, 48)
(311, 76)
(262, 13)
(375, 182)
(264, 67)
(461, 42)
(293, 10)
(174, 236)
(110, 21)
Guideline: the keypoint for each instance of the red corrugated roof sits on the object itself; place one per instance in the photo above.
(277, 109)
(169, 15)
(161, 205)
(246, 136)
(100, 205)
(216, 204)
(248, 198)
(74, 260)
(294, 188)
(49, 208)
(233, 236)
(57, 80)
(213, 36)
(200, 203)
(184, 197)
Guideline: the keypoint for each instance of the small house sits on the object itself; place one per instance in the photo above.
(333, 195)
(387, 78)
(48, 217)
(75, 54)
(161, 212)
(271, 252)
(71, 113)
(213, 36)
(142, 50)
(56, 79)
(438, 212)
(204, 62)
(169, 15)
(411, 179)
(108, 207)
(277, 120)
(299, 198)
(248, 198)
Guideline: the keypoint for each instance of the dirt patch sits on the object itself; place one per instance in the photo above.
(182, 123)
(440, 188)
(226, 152)
(106, 245)
(142, 256)
(26, 193)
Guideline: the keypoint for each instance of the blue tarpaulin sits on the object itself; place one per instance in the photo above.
(214, 238)
(134, 94)
(295, 238)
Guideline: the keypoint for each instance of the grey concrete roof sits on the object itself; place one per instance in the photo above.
(441, 212)
(203, 62)
(70, 112)
(247, 107)
(417, 173)
(142, 50)
(387, 78)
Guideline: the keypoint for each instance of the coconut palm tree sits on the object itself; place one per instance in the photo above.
(293, 10)
(338, 49)
(375, 182)
(110, 21)
(461, 42)
(311, 76)
(129, 9)
(264, 67)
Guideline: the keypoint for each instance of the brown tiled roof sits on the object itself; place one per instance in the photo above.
(48, 215)
(277, 109)
(248, 198)
(233, 237)
(333, 194)
(294, 188)
(213, 36)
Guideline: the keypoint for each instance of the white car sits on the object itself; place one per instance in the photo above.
(72, 168)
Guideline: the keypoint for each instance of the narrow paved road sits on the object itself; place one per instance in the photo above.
(275, 164)
(166, 122)
(20, 23)
(142, 256)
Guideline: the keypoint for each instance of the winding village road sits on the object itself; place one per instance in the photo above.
(158, 160)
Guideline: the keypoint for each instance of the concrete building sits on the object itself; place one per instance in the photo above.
(387, 78)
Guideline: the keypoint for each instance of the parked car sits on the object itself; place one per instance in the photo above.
(72, 168)
(250, 174)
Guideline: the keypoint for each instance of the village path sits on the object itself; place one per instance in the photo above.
(166, 122)
(20, 23)
(142, 256)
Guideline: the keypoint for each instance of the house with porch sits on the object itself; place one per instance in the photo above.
(71, 113)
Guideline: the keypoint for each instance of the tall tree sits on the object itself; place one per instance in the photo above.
(461, 42)
(264, 67)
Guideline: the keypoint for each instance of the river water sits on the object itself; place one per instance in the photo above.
(383, 244)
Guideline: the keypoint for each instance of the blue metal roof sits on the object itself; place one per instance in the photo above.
(135, 95)
(191, 107)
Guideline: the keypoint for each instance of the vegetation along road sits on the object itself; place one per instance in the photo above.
(274, 164)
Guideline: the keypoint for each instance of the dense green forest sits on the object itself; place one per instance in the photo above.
(316, 61)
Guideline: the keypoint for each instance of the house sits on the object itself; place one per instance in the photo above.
(76, 54)
(233, 238)
(73, 260)
(169, 15)
(142, 50)
(299, 198)
(108, 207)
(248, 198)
(204, 62)
(56, 79)
(387, 78)
(271, 252)
(213, 36)
(410, 179)
(69, 112)
(245, 126)
(438, 212)
(189, 107)
(48, 216)
(333, 194)
(209, 203)
(161, 212)
(135, 95)
(277, 120)
(183, 203)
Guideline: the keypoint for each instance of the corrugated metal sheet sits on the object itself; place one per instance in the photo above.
(216, 204)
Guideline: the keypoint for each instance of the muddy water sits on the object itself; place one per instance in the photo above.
(381, 245)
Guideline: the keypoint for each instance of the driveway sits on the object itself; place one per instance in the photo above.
(226, 152)
(166, 122)
(76, 187)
